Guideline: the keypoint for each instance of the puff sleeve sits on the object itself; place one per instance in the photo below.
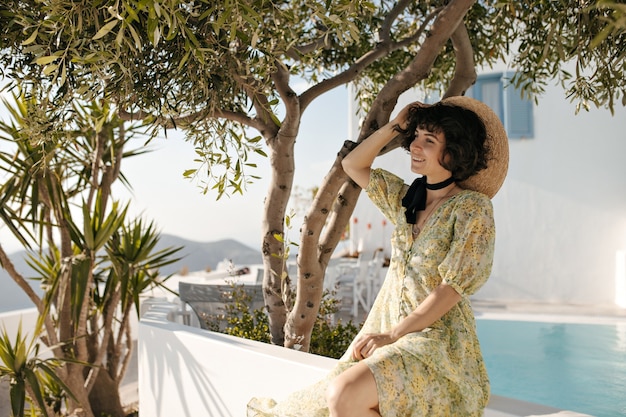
(467, 265)
(386, 190)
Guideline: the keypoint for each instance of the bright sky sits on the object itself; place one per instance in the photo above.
(177, 205)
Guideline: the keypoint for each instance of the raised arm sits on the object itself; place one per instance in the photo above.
(357, 164)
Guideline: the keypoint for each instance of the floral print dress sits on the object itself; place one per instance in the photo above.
(440, 370)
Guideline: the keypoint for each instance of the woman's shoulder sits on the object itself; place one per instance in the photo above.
(473, 198)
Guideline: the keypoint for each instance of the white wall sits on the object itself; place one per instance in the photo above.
(561, 213)
(186, 371)
(24, 320)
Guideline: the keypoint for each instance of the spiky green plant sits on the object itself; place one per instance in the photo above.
(91, 261)
(28, 372)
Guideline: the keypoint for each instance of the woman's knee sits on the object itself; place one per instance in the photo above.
(338, 396)
(351, 390)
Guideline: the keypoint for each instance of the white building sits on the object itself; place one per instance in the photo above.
(561, 213)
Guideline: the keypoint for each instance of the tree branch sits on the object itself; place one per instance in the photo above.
(263, 122)
(418, 33)
(464, 71)
(385, 27)
(96, 166)
(111, 172)
(107, 324)
(8, 266)
(445, 26)
(441, 30)
(338, 215)
(382, 49)
(129, 353)
(295, 52)
(290, 99)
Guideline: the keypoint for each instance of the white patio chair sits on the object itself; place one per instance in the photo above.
(373, 276)
(357, 280)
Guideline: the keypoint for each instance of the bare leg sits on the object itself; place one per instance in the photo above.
(353, 393)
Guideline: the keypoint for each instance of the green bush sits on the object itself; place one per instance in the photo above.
(329, 338)
(241, 321)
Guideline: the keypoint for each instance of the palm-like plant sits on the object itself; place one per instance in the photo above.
(29, 373)
(91, 262)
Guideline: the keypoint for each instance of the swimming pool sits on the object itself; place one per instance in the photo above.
(574, 366)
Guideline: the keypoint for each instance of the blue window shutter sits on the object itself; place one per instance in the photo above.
(488, 89)
(491, 95)
(515, 112)
(518, 114)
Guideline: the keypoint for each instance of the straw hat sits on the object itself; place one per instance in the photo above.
(489, 180)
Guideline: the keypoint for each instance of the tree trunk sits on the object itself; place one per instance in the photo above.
(104, 398)
(316, 250)
(302, 317)
(275, 278)
(76, 383)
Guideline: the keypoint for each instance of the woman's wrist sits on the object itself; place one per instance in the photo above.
(395, 334)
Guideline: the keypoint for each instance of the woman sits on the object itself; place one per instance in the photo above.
(417, 353)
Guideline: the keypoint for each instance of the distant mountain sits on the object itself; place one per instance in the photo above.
(196, 256)
(11, 295)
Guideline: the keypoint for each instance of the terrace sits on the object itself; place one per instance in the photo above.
(188, 371)
(183, 370)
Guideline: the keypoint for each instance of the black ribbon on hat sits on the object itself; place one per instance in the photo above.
(415, 198)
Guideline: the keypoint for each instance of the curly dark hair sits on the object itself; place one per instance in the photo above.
(466, 148)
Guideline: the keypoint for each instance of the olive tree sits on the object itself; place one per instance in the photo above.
(224, 73)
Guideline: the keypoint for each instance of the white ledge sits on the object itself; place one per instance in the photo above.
(187, 371)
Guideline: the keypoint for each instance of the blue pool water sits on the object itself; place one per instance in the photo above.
(577, 367)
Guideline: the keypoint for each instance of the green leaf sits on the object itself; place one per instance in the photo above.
(17, 393)
(33, 382)
(53, 375)
(75, 234)
(105, 29)
(120, 37)
(135, 36)
(184, 60)
(63, 75)
(600, 37)
(45, 60)
(49, 69)
(88, 228)
(156, 36)
(132, 15)
(191, 36)
(31, 38)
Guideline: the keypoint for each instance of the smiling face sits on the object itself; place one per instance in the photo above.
(462, 137)
(427, 153)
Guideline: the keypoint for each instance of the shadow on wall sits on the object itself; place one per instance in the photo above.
(185, 371)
